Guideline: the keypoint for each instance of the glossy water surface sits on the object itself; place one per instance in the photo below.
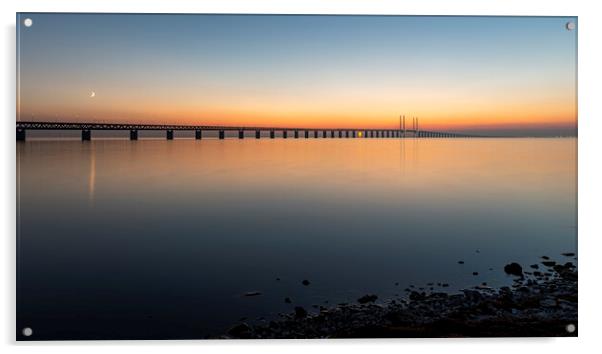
(161, 239)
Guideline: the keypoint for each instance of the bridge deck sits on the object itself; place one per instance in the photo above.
(130, 126)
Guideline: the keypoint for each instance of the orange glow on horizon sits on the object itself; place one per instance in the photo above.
(437, 110)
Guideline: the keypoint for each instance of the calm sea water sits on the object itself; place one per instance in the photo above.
(161, 239)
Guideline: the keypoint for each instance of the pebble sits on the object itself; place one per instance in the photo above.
(548, 303)
(514, 269)
(300, 312)
(367, 298)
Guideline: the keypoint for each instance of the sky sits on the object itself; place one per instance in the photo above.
(498, 75)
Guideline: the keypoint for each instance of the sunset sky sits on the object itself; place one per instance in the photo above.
(501, 74)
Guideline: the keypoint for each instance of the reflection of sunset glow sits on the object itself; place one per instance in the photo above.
(429, 166)
(92, 176)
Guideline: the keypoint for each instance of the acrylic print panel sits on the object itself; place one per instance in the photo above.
(273, 176)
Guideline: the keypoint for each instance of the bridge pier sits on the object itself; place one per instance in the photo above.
(272, 134)
(296, 134)
(306, 134)
(133, 134)
(222, 134)
(169, 134)
(340, 133)
(257, 134)
(20, 134)
(332, 133)
(198, 134)
(353, 133)
(315, 133)
(323, 133)
(241, 134)
(285, 134)
(86, 135)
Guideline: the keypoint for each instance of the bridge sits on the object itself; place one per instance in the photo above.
(87, 128)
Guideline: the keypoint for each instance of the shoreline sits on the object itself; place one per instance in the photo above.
(542, 302)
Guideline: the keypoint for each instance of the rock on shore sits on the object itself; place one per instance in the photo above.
(535, 306)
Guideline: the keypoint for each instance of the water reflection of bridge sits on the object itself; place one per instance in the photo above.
(283, 132)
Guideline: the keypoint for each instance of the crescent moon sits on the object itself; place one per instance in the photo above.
(92, 94)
